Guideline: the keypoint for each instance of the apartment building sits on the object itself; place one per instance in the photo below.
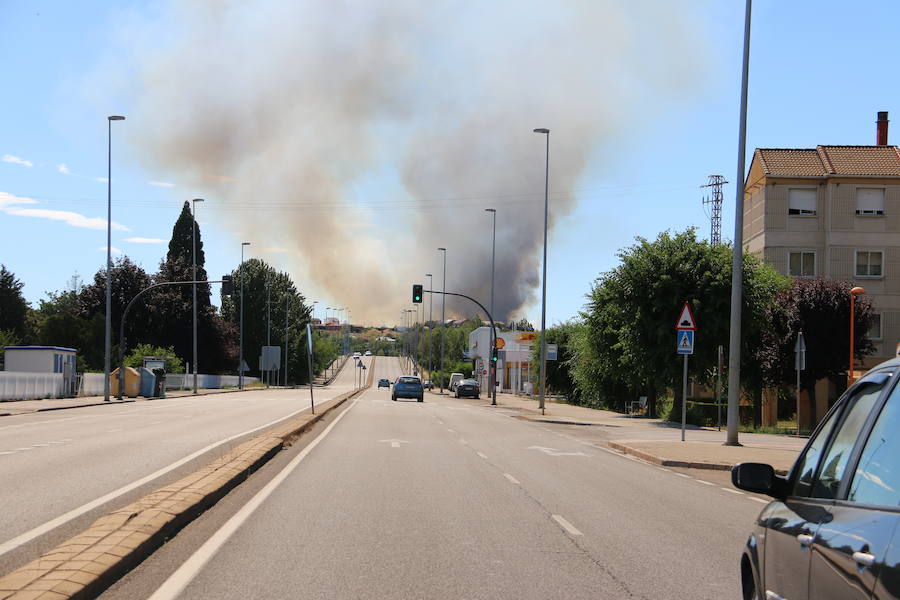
(832, 211)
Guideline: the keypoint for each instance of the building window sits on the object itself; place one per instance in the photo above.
(868, 263)
(870, 201)
(802, 201)
(874, 331)
(802, 264)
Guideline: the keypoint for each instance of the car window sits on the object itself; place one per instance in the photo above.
(877, 477)
(834, 461)
(409, 380)
(807, 465)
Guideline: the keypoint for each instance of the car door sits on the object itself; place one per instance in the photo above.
(851, 535)
(792, 526)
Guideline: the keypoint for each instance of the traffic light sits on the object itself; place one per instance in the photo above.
(494, 353)
(417, 293)
(227, 285)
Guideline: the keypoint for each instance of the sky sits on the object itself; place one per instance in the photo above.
(348, 141)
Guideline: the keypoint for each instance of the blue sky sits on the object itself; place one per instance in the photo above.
(819, 73)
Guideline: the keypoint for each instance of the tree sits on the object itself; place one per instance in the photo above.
(13, 306)
(820, 308)
(560, 376)
(631, 311)
(523, 325)
(135, 358)
(267, 295)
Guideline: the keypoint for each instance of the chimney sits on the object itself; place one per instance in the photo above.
(881, 133)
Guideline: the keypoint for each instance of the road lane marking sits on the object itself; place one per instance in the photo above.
(565, 525)
(463, 442)
(452, 431)
(39, 445)
(555, 452)
(512, 479)
(394, 442)
(64, 518)
(705, 482)
(662, 469)
(732, 491)
(683, 475)
(179, 580)
(758, 500)
(482, 455)
(114, 430)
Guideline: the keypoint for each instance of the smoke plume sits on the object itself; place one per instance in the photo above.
(362, 135)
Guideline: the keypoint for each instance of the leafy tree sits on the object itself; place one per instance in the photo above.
(523, 325)
(135, 358)
(630, 317)
(267, 294)
(13, 306)
(820, 308)
(560, 378)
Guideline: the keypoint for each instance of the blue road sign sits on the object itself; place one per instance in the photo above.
(684, 342)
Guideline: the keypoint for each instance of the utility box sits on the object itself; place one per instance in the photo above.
(132, 382)
(148, 382)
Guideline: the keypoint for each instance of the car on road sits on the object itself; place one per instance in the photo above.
(468, 387)
(356, 355)
(428, 385)
(384, 383)
(368, 353)
(408, 386)
(831, 530)
(454, 379)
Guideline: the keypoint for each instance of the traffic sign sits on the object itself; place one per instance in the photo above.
(500, 343)
(484, 372)
(685, 342)
(686, 319)
(800, 353)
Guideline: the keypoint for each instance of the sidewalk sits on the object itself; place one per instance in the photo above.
(21, 407)
(658, 441)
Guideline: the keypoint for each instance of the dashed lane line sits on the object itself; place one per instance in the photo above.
(571, 529)
(732, 491)
(482, 455)
(512, 479)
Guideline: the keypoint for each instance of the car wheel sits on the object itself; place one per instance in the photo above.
(421, 398)
(394, 398)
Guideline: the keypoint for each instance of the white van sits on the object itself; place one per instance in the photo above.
(454, 379)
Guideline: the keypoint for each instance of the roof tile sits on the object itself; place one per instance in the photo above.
(823, 161)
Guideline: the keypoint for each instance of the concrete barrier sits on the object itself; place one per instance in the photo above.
(15, 385)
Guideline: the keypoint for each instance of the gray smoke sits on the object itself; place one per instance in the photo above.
(285, 111)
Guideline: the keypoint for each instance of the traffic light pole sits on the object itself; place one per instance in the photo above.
(125, 314)
(493, 332)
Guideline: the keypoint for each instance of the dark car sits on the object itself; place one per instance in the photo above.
(428, 385)
(468, 387)
(384, 383)
(831, 531)
(408, 386)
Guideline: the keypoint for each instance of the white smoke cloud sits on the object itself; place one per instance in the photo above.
(286, 110)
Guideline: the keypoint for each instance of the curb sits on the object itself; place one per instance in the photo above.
(85, 565)
(667, 462)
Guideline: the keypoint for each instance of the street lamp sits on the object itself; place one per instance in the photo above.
(545, 131)
(492, 378)
(194, 278)
(108, 331)
(443, 316)
(241, 343)
(431, 328)
(854, 292)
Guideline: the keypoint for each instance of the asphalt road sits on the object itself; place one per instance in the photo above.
(444, 499)
(65, 468)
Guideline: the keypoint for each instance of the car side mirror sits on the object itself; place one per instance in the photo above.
(758, 478)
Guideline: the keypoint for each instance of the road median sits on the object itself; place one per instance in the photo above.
(84, 565)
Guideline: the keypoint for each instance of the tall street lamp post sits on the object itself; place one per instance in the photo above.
(194, 277)
(443, 316)
(108, 330)
(546, 132)
(241, 336)
(492, 378)
(431, 327)
(854, 292)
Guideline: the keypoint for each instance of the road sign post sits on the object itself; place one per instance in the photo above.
(309, 362)
(685, 327)
(719, 388)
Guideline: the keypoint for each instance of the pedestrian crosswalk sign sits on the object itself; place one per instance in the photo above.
(685, 342)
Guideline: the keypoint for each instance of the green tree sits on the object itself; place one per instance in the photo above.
(631, 311)
(560, 375)
(13, 307)
(136, 356)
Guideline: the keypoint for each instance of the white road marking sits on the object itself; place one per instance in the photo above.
(683, 475)
(555, 452)
(732, 491)
(452, 431)
(10, 452)
(462, 441)
(565, 525)
(511, 478)
(180, 579)
(482, 455)
(39, 445)
(394, 442)
(120, 429)
(758, 500)
(705, 482)
(22, 449)
(64, 518)
(662, 469)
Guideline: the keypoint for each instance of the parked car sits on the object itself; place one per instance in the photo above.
(831, 530)
(454, 379)
(408, 386)
(384, 383)
(356, 355)
(428, 385)
(468, 387)
(368, 353)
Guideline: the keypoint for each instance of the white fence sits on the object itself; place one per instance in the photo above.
(16, 385)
